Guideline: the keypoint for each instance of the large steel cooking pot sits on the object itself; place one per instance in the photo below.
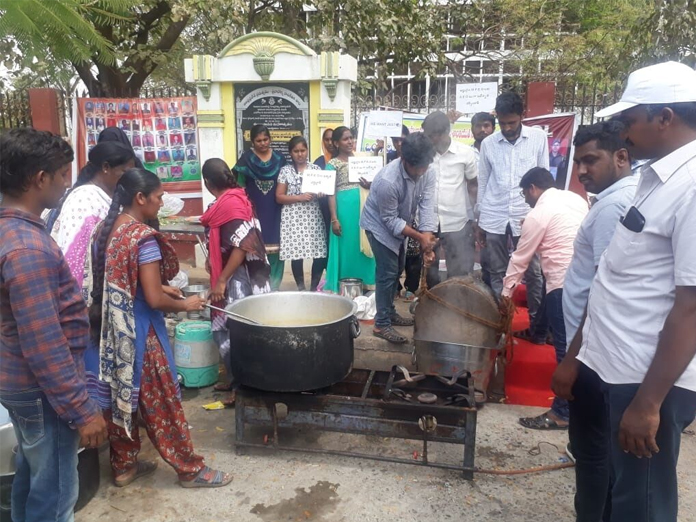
(446, 341)
(304, 341)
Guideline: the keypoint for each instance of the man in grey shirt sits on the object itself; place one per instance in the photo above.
(400, 189)
(604, 168)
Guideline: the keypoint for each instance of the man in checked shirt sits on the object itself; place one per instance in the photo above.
(44, 332)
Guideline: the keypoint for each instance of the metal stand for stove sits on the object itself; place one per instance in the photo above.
(363, 415)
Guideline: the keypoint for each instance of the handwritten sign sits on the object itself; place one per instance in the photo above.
(476, 97)
(364, 167)
(384, 123)
(319, 182)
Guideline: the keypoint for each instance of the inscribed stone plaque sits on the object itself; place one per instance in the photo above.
(283, 108)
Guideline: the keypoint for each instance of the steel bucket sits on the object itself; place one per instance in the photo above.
(351, 288)
(201, 290)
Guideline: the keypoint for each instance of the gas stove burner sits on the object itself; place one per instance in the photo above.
(426, 408)
(427, 398)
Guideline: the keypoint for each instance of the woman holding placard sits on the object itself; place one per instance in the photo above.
(302, 232)
(346, 257)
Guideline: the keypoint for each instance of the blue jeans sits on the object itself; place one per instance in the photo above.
(388, 266)
(645, 490)
(45, 486)
(553, 307)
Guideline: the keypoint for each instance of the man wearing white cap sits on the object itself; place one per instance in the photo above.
(639, 331)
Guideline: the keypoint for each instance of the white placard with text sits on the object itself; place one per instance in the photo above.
(364, 167)
(319, 182)
(382, 124)
(476, 97)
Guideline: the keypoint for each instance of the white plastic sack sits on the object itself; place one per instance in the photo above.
(367, 307)
(180, 280)
(171, 206)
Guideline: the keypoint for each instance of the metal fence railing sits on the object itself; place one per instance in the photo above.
(14, 109)
(585, 100)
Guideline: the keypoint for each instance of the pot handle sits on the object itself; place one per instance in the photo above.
(354, 327)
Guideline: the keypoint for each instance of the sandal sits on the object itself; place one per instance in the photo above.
(207, 478)
(542, 422)
(397, 320)
(230, 400)
(144, 468)
(391, 335)
(526, 335)
(223, 387)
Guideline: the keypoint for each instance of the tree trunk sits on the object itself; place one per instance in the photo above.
(125, 80)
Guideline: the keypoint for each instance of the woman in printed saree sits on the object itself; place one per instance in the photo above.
(237, 260)
(257, 170)
(347, 256)
(131, 264)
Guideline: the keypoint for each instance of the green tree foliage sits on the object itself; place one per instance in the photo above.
(668, 32)
(43, 34)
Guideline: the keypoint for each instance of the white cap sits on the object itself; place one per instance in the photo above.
(661, 84)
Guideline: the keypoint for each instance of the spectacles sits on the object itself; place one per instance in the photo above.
(522, 193)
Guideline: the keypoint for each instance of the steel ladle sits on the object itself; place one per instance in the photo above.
(232, 314)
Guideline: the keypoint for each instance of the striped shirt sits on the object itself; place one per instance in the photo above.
(45, 328)
(501, 167)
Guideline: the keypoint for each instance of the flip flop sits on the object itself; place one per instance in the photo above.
(207, 478)
(541, 422)
(391, 335)
(145, 467)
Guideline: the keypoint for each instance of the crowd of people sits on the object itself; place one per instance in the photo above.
(610, 281)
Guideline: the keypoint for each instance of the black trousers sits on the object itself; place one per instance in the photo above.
(412, 267)
(613, 485)
(318, 266)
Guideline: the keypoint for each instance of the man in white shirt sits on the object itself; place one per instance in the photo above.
(549, 231)
(506, 156)
(639, 333)
(604, 168)
(457, 172)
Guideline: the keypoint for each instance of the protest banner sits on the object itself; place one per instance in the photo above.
(461, 131)
(382, 124)
(364, 167)
(476, 97)
(162, 131)
(319, 182)
(560, 130)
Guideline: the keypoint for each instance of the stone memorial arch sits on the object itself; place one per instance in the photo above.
(272, 79)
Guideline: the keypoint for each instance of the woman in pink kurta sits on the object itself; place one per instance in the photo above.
(72, 223)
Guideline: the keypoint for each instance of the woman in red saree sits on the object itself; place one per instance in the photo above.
(131, 264)
(237, 264)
